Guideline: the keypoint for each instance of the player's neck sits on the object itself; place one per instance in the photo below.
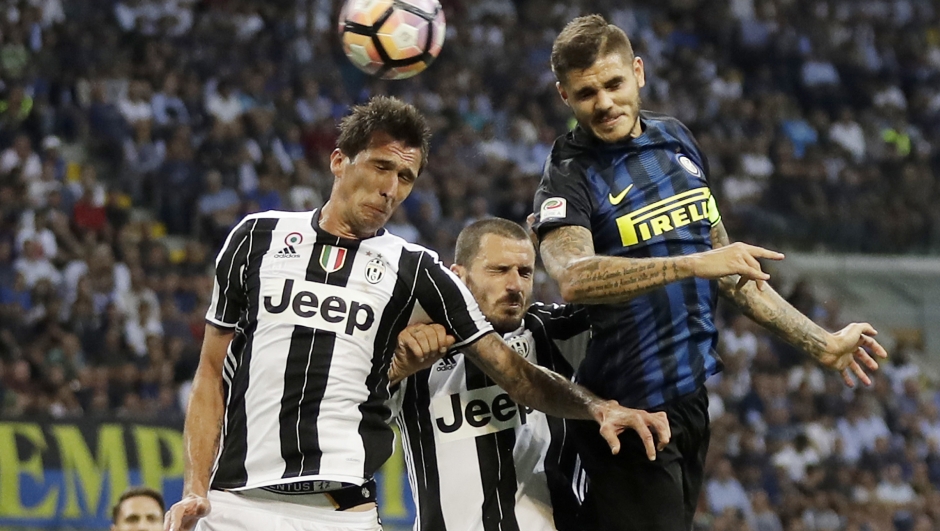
(332, 221)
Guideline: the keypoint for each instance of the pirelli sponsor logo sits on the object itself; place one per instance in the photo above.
(667, 215)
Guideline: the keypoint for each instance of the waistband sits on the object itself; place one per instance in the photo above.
(315, 493)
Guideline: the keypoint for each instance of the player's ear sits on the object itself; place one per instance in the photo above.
(562, 92)
(639, 72)
(460, 271)
(337, 162)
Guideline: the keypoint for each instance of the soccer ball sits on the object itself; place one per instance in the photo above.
(392, 39)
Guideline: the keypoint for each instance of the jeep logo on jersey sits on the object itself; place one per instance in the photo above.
(474, 413)
(317, 306)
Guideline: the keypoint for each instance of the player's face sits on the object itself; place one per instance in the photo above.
(371, 185)
(140, 513)
(500, 279)
(605, 97)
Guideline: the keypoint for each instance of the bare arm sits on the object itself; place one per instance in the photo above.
(587, 278)
(550, 392)
(201, 431)
(765, 306)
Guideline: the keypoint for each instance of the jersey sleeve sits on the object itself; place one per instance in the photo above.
(562, 198)
(448, 302)
(229, 298)
(561, 321)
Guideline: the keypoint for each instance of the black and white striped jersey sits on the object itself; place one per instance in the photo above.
(476, 460)
(316, 320)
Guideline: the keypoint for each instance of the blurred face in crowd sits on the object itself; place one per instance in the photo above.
(371, 185)
(139, 513)
(605, 97)
(500, 279)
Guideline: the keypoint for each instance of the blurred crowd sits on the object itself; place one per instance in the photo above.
(135, 133)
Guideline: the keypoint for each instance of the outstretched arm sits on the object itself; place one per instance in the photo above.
(587, 278)
(550, 392)
(841, 351)
(201, 432)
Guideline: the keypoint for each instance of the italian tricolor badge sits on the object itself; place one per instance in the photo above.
(332, 258)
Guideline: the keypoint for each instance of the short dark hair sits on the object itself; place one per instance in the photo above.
(583, 40)
(468, 241)
(134, 492)
(400, 120)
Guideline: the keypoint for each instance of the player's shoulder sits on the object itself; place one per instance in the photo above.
(664, 121)
(669, 125)
(391, 240)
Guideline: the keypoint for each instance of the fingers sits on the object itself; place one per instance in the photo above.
(172, 521)
(660, 424)
(610, 435)
(647, 437)
(760, 252)
(441, 339)
(872, 345)
(411, 345)
(862, 355)
(860, 373)
(846, 378)
(752, 268)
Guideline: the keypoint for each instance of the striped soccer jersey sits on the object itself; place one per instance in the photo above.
(316, 320)
(643, 197)
(476, 460)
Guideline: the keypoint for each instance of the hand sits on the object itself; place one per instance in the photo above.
(419, 346)
(735, 259)
(849, 346)
(185, 513)
(615, 418)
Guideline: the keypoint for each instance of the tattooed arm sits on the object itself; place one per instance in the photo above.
(550, 392)
(840, 351)
(587, 278)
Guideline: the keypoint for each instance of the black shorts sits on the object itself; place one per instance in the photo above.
(628, 492)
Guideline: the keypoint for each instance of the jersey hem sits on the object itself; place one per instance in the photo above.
(470, 340)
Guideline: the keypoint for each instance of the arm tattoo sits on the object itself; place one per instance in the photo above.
(767, 308)
(528, 384)
(584, 277)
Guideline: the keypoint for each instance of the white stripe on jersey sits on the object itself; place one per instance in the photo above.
(317, 321)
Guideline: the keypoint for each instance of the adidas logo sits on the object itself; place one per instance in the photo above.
(447, 363)
(287, 252)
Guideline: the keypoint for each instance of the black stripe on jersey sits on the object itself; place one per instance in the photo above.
(498, 477)
(423, 452)
(444, 301)
(690, 288)
(340, 277)
(305, 378)
(657, 298)
(375, 434)
(229, 272)
(231, 472)
(497, 467)
(561, 455)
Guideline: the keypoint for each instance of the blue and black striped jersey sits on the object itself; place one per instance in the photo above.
(643, 197)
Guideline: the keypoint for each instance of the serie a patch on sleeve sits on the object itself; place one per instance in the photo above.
(553, 208)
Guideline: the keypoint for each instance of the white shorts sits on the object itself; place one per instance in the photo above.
(234, 512)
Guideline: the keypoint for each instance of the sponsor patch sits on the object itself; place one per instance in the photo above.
(553, 208)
